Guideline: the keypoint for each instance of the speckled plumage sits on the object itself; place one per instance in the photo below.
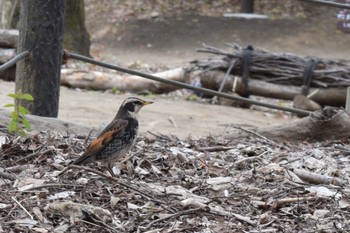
(117, 138)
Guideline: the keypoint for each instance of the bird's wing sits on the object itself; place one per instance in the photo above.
(107, 135)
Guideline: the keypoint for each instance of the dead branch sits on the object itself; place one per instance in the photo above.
(327, 124)
(215, 148)
(315, 178)
(254, 133)
(8, 176)
(175, 215)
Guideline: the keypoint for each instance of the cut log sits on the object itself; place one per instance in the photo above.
(8, 38)
(302, 102)
(323, 125)
(103, 81)
(324, 96)
(5, 56)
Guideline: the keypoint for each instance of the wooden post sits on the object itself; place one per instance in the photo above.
(41, 33)
(347, 104)
(247, 6)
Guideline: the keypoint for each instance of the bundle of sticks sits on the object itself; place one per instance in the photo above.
(275, 71)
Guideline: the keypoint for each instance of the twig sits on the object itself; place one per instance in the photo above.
(219, 211)
(201, 160)
(34, 154)
(254, 133)
(341, 148)
(172, 121)
(7, 176)
(190, 211)
(96, 219)
(315, 178)
(285, 201)
(121, 183)
(20, 205)
(215, 148)
(17, 168)
(94, 224)
(227, 74)
(53, 185)
(87, 137)
(249, 159)
(160, 136)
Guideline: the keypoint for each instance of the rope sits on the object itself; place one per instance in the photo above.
(14, 60)
(246, 60)
(185, 85)
(308, 73)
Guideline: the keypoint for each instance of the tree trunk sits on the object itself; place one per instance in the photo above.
(76, 37)
(41, 33)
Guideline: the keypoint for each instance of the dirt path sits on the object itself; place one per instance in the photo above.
(166, 116)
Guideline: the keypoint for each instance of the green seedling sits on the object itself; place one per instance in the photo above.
(18, 119)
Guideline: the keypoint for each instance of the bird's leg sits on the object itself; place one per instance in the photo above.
(109, 167)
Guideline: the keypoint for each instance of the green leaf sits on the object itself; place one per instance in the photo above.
(13, 96)
(26, 123)
(14, 115)
(22, 132)
(23, 110)
(9, 105)
(26, 97)
(12, 126)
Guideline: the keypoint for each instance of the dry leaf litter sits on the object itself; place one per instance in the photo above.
(207, 184)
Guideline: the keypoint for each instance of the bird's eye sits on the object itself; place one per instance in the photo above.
(130, 106)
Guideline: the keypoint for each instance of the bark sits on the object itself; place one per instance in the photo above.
(103, 81)
(323, 125)
(41, 33)
(324, 96)
(76, 37)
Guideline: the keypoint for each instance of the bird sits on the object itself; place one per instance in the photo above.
(118, 138)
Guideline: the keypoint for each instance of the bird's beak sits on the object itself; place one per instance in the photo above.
(147, 103)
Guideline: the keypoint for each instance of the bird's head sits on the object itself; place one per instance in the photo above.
(132, 106)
